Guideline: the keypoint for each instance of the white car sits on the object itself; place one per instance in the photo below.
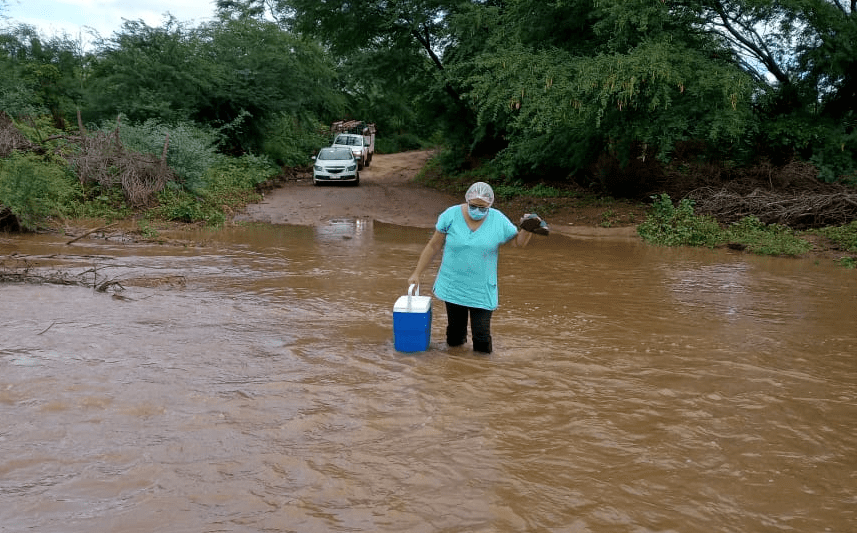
(357, 144)
(335, 164)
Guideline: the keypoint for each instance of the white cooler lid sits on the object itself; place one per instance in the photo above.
(418, 304)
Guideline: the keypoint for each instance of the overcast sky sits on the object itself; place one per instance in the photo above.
(53, 17)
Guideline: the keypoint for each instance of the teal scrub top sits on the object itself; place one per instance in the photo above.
(468, 270)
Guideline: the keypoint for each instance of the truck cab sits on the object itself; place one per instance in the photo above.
(357, 144)
(356, 128)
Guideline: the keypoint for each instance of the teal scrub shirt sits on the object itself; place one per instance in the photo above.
(468, 270)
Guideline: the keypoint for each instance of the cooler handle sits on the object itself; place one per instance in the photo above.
(413, 290)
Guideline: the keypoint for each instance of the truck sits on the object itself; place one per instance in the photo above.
(357, 135)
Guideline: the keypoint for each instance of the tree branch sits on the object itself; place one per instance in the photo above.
(761, 53)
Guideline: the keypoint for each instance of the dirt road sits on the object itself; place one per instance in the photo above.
(386, 193)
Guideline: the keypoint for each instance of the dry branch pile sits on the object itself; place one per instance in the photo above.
(104, 160)
(789, 195)
(100, 158)
(798, 211)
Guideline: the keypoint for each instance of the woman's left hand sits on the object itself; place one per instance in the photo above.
(534, 224)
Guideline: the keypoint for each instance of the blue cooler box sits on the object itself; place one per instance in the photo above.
(412, 321)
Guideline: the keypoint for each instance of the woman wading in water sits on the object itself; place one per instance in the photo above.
(470, 235)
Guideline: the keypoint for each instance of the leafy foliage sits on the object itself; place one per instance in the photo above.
(35, 189)
(677, 225)
(586, 91)
(290, 143)
(40, 76)
(230, 184)
(766, 239)
(191, 150)
(844, 236)
(237, 76)
(108, 203)
(670, 225)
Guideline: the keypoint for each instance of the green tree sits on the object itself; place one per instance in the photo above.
(146, 73)
(389, 52)
(237, 75)
(260, 71)
(803, 55)
(635, 85)
(549, 83)
(41, 76)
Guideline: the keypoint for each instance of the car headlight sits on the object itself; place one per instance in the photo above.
(352, 168)
(318, 168)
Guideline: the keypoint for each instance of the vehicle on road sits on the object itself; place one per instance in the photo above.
(358, 127)
(335, 164)
(357, 144)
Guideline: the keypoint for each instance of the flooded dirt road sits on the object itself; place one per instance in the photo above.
(250, 383)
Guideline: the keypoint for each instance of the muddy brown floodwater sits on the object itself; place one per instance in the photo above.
(250, 383)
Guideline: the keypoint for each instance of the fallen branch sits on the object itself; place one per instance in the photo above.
(14, 269)
(91, 232)
(47, 328)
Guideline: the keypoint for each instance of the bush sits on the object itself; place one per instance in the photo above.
(97, 201)
(231, 184)
(191, 151)
(678, 226)
(670, 225)
(238, 173)
(181, 206)
(34, 189)
(291, 144)
(401, 142)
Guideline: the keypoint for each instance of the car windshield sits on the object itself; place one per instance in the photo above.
(328, 154)
(349, 140)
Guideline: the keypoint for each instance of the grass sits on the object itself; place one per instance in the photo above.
(844, 237)
(766, 239)
(678, 225)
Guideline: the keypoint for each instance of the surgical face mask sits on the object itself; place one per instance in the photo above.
(476, 213)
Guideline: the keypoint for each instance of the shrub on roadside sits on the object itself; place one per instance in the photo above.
(291, 144)
(191, 151)
(230, 184)
(671, 225)
(399, 142)
(108, 203)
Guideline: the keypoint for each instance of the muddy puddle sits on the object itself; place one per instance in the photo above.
(251, 383)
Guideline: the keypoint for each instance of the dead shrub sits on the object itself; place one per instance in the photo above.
(102, 159)
(11, 139)
(790, 195)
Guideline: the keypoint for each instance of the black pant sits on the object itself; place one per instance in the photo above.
(480, 325)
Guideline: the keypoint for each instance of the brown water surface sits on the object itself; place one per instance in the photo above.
(251, 384)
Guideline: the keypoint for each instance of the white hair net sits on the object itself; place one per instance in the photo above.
(480, 190)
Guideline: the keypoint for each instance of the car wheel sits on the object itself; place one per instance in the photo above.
(356, 180)
(368, 160)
